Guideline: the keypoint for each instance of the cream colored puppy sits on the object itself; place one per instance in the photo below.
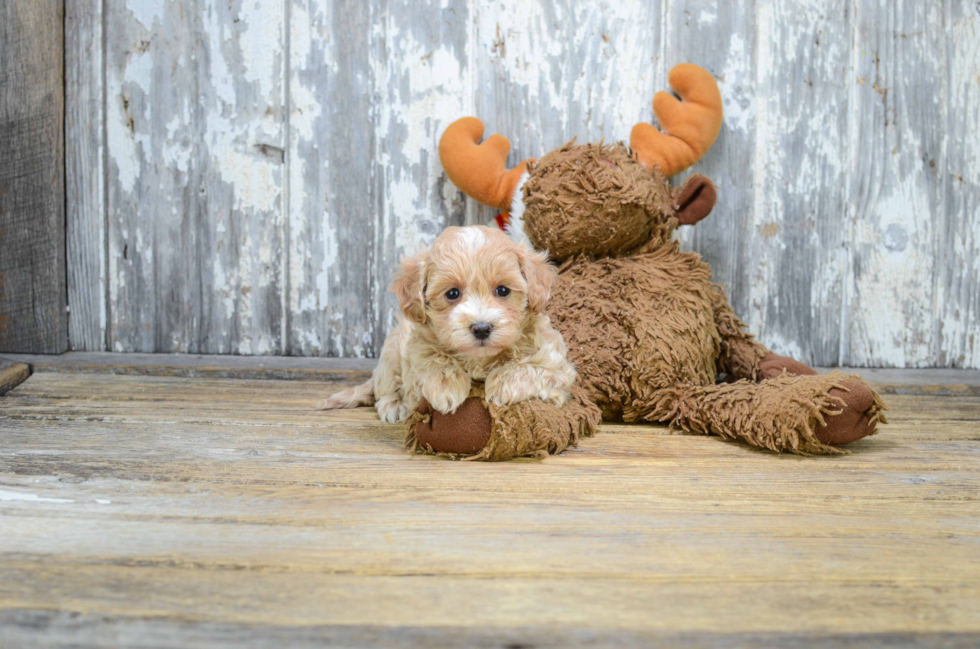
(473, 309)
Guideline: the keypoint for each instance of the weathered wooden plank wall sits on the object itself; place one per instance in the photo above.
(264, 164)
(959, 242)
(85, 175)
(33, 297)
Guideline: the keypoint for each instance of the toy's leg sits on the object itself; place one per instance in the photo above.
(483, 431)
(801, 414)
(743, 358)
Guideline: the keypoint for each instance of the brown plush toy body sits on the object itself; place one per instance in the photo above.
(646, 328)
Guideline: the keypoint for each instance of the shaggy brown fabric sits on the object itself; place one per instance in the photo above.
(595, 199)
(741, 356)
(853, 422)
(648, 333)
(638, 324)
(529, 429)
(781, 414)
(646, 327)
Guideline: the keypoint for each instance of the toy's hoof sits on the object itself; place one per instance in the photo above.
(772, 365)
(853, 423)
(464, 432)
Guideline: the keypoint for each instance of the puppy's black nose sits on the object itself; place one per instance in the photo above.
(481, 330)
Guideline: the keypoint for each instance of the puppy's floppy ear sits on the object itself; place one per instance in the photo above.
(409, 287)
(540, 277)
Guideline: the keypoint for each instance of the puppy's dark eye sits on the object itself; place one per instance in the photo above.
(452, 294)
(502, 291)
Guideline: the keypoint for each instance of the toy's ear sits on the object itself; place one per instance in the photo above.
(540, 277)
(409, 287)
(694, 200)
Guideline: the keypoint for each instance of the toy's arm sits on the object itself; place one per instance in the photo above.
(480, 430)
(740, 354)
(742, 357)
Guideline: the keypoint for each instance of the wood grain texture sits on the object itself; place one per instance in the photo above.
(900, 104)
(195, 141)
(33, 297)
(550, 71)
(335, 197)
(85, 175)
(21, 627)
(267, 208)
(202, 508)
(930, 382)
(422, 76)
(288, 368)
(959, 242)
(12, 374)
(721, 38)
(800, 249)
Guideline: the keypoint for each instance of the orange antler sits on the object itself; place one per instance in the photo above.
(480, 170)
(690, 125)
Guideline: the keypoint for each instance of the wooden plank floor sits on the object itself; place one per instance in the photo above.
(162, 510)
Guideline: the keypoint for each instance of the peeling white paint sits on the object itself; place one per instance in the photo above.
(739, 101)
(196, 189)
(886, 247)
(262, 25)
(10, 496)
(894, 311)
(707, 17)
(959, 299)
(147, 12)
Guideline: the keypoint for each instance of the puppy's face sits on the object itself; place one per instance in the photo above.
(475, 289)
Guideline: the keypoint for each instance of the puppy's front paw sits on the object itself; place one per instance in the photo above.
(445, 396)
(508, 388)
(507, 395)
(446, 402)
(556, 397)
(391, 410)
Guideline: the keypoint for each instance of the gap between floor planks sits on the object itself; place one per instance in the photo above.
(939, 382)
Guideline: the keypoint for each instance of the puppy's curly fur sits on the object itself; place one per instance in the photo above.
(473, 309)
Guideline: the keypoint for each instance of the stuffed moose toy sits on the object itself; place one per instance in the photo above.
(646, 328)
